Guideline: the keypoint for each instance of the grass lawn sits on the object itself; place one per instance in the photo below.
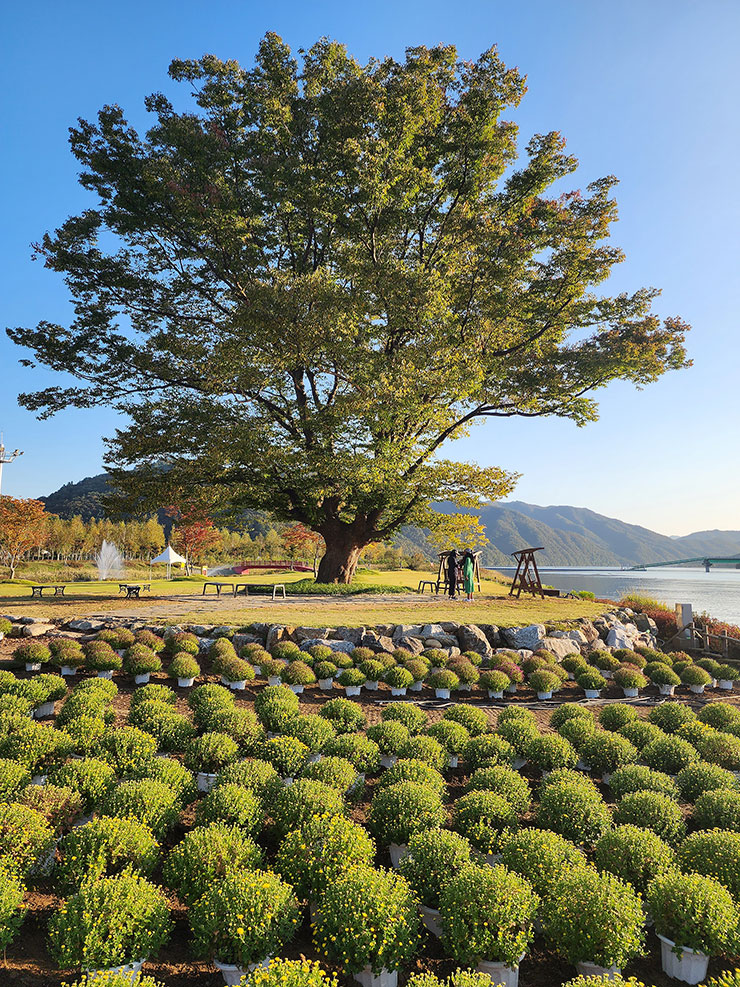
(181, 601)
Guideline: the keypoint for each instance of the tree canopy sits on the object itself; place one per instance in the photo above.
(301, 288)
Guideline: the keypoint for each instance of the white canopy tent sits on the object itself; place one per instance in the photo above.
(169, 556)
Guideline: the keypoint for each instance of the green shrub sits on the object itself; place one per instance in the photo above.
(518, 731)
(654, 811)
(351, 677)
(489, 749)
(473, 719)
(36, 746)
(100, 657)
(365, 918)
(67, 652)
(571, 809)
(25, 837)
(487, 914)
(231, 805)
(205, 856)
(693, 675)
(242, 726)
(633, 854)
(344, 715)
(503, 781)
(412, 770)
(413, 718)
(552, 751)
(297, 673)
(639, 778)
(258, 776)
(485, 819)
(670, 716)
(372, 669)
(104, 847)
(313, 731)
(443, 679)
(118, 638)
(714, 854)
(591, 679)
(362, 753)
(150, 639)
(182, 641)
(577, 730)
(292, 807)
(211, 752)
(567, 712)
(171, 730)
(722, 749)
(276, 706)
(126, 749)
(693, 911)
(183, 666)
(336, 772)
(616, 715)
(640, 733)
(149, 801)
(290, 973)
(605, 661)
(717, 810)
(284, 650)
(91, 777)
(399, 811)
(434, 857)
(13, 777)
(544, 681)
(325, 670)
(85, 732)
(244, 918)
(719, 715)
(425, 749)
(594, 917)
(286, 754)
(452, 736)
(701, 777)
(140, 660)
(88, 930)
(669, 754)
(32, 652)
(59, 806)
(390, 736)
(12, 909)
(541, 856)
(313, 857)
(605, 752)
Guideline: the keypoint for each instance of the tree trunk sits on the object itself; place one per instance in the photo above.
(343, 547)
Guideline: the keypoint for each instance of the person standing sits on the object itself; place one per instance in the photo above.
(452, 573)
(468, 573)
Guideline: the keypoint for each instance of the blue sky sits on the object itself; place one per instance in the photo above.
(644, 89)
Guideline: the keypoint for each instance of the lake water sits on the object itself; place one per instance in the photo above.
(717, 592)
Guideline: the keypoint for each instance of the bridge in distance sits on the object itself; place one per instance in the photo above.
(707, 562)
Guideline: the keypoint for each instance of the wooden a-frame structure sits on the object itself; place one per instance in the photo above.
(527, 576)
(442, 579)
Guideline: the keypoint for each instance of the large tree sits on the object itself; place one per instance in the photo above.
(299, 290)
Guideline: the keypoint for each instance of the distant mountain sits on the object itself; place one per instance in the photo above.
(570, 536)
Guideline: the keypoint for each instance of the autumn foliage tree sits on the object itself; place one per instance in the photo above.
(302, 287)
(193, 533)
(304, 542)
(23, 526)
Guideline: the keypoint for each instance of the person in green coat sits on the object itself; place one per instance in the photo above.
(468, 572)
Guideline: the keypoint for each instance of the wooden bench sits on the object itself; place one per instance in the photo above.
(423, 583)
(134, 589)
(39, 590)
(248, 589)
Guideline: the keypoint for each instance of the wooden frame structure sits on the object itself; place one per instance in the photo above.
(527, 576)
(442, 579)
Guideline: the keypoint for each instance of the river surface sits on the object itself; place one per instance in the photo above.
(716, 592)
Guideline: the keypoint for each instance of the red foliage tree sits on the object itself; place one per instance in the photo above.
(22, 528)
(193, 533)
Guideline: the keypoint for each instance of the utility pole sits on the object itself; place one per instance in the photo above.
(6, 459)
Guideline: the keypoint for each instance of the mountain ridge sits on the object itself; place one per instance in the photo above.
(570, 536)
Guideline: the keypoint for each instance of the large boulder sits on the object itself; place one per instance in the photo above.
(376, 641)
(441, 640)
(492, 633)
(406, 630)
(37, 630)
(310, 633)
(472, 638)
(530, 637)
(89, 625)
(411, 643)
(432, 630)
(619, 637)
(325, 642)
(242, 640)
(353, 634)
(276, 633)
(561, 646)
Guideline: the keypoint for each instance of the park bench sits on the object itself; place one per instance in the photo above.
(247, 589)
(134, 589)
(219, 586)
(39, 590)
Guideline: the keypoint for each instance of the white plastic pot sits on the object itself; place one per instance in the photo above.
(442, 693)
(594, 970)
(67, 670)
(239, 686)
(288, 781)
(494, 859)
(297, 689)
(398, 692)
(373, 686)
(397, 851)
(273, 680)
(39, 780)
(431, 919)
(388, 760)
(545, 695)
(45, 709)
(500, 973)
(606, 673)
(666, 690)
(106, 674)
(185, 683)
(592, 693)
(582, 766)
(142, 679)
(205, 781)
(33, 666)
(686, 964)
(519, 762)
(386, 978)
(452, 761)
(697, 688)
(233, 974)
(314, 758)
(495, 695)
(465, 687)
(511, 688)
(631, 693)
(606, 779)
(352, 690)
(326, 684)
(130, 971)
(725, 684)
(416, 687)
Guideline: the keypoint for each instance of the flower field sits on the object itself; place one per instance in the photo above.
(241, 806)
